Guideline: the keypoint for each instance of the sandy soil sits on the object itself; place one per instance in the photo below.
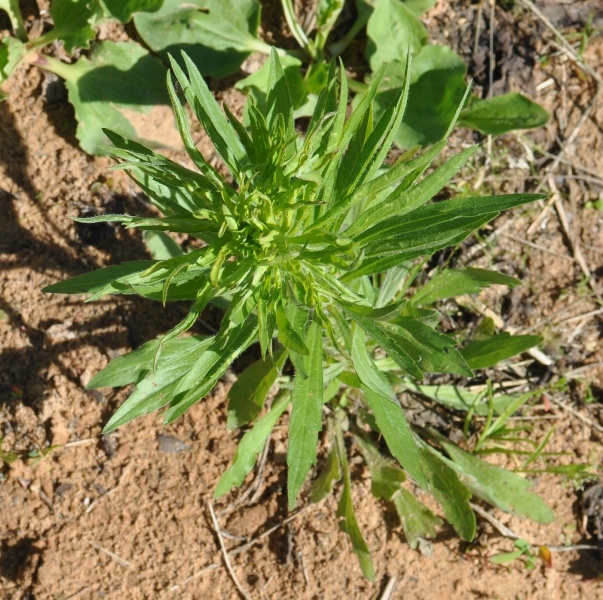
(125, 515)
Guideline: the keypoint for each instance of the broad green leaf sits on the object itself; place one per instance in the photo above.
(130, 367)
(159, 387)
(497, 486)
(347, 517)
(209, 367)
(12, 51)
(121, 84)
(449, 492)
(124, 9)
(99, 282)
(161, 245)
(217, 34)
(306, 415)
(249, 447)
(486, 353)
(417, 520)
(437, 89)
(393, 30)
(247, 395)
(450, 283)
(503, 113)
(419, 6)
(11, 7)
(72, 23)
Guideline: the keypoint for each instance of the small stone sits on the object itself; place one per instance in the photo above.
(169, 444)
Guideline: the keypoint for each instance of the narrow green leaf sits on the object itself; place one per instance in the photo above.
(397, 204)
(449, 492)
(389, 415)
(450, 283)
(306, 415)
(99, 282)
(459, 398)
(131, 367)
(248, 394)
(288, 336)
(159, 387)
(486, 353)
(347, 517)
(209, 367)
(440, 215)
(499, 487)
(386, 477)
(278, 100)
(215, 122)
(368, 373)
(249, 447)
(392, 343)
(441, 355)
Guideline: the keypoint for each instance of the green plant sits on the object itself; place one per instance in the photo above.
(312, 246)
(522, 550)
(7, 456)
(120, 83)
(394, 30)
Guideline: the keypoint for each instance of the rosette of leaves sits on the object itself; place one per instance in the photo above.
(308, 239)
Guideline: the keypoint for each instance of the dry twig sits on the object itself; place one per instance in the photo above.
(233, 575)
(118, 559)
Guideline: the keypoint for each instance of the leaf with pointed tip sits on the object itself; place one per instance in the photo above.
(449, 492)
(158, 388)
(497, 486)
(306, 415)
(249, 447)
(100, 282)
(503, 113)
(209, 367)
(486, 353)
(347, 517)
(450, 283)
(247, 395)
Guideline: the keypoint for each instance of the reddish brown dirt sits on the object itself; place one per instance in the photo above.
(125, 515)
